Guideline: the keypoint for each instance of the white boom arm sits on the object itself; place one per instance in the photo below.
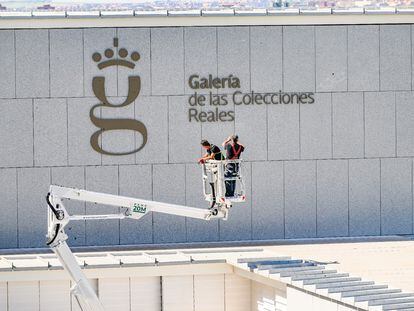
(58, 218)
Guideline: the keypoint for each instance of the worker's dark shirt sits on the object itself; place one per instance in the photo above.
(233, 152)
(217, 152)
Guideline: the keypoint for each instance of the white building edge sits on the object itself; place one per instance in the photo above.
(199, 279)
(174, 18)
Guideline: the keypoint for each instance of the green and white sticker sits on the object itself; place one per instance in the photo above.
(139, 208)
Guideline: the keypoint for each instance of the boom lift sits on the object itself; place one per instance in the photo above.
(58, 218)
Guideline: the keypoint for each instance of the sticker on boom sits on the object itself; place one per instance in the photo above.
(139, 208)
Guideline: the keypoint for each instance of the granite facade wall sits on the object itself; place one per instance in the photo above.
(342, 166)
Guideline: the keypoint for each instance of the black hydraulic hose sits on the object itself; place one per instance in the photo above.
(55, 212)
(50, 205)
(57, 228)
(213, 193)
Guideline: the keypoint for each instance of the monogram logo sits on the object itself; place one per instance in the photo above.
(98, 87)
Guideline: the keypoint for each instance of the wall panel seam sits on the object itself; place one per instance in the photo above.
(17, 206)
(15, 64)
(363, 118)
(347, 58)
(411, 54)
(83, 62)
(379, 57)
(150, 49)
(284, 201)
(348, 197)
(316, 197)
(380, 194)
(33, 134)
(48, 59)
(314, 55)
(395, 124)
(183, 32)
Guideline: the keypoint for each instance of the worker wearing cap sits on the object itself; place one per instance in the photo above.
(233, 152)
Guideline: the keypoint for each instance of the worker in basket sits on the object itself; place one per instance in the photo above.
(212, 152)
(233, 151)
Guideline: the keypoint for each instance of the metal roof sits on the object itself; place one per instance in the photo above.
(117, 259)
(321, 279)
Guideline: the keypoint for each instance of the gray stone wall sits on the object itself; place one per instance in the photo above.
(339, 167)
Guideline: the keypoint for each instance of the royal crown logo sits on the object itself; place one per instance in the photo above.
(98, 87)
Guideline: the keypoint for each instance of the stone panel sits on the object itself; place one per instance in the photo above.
(395, 57)
(332, 198)
(50, 132)
(298, 58)
(363, 58)
(404, 123)
(8, 210)
(266, 58)
(331, 58)
(316, 128)
(379, 124)
(32, 63)
(300, 199)
(268, 200)
(7, 64)
(200, 56)
(80, 130)
(396, 196)
(184, 136)
(167, 61)
(348, 125)
(153, 112)
(364, 197)
(233, 56)
(283, 132)
(17, 125)
(66, 63)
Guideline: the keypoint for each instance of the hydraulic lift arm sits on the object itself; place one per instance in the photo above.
(58, 218)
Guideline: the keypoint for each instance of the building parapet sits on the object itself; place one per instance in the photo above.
(130, 18)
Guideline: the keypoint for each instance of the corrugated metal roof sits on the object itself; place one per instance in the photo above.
(316, 278)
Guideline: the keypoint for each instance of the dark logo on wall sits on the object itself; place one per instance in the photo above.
(98, 86)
